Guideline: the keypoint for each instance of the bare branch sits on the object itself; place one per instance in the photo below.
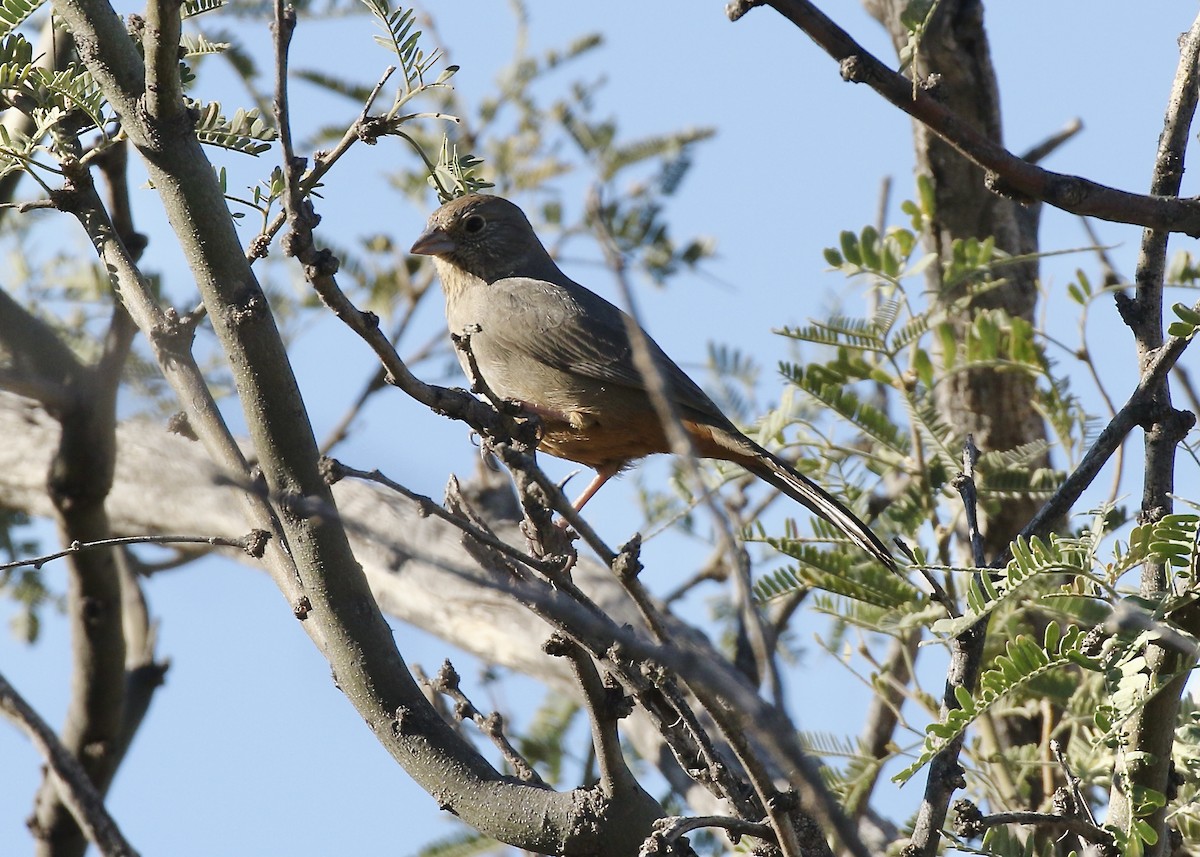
(1133, 413)
(492, 725)
(971, 823)
(250, 544)
(883, 711)
(668, 831)
(605, 706)
(966, 660)
(74, 786)
(1007, 174)
(160, 42)
(427, 506)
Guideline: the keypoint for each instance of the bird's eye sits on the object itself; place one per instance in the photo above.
(474, 224)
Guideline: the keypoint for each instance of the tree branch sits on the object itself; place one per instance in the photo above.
(966, 660)
(1150, 733)
(79, 480)
(160, 41)
(68, 777)
(1133, 413)
(447, 682)
(1006, 174)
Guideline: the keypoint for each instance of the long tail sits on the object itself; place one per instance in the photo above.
(779, 473)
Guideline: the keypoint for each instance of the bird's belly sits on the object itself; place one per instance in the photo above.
(594, 424)
(601, 447)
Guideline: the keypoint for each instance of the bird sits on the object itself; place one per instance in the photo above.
(563, 353)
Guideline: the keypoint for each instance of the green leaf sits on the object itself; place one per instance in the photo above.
(1023, 660)
(247, 132)
(16, 62)
(14, 12)
(455, 173)
(868, 243)
(73, 88)
(850, 250)
(1032, 558)
(192, 8)
(839, 572)
(1190, 320)
(198, 45)
(926, 194)
(404, 42)
(923, 366)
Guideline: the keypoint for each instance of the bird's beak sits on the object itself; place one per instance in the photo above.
(433, 242)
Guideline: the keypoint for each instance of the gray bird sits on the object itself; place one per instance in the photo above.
(563, 352)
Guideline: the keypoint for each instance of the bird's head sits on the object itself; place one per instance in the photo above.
(485, 236)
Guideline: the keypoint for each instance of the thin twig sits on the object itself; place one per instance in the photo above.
(1131, 415)
(519, 461)
(492, 725)
(1043, 150)
(677, 437)
(322, 164)
(427, 506)
(668, 831)
(1073, 782)
(378, 379)
(250, 544)
(972, 824)
(945, 775)
(883, 712)
(652, 376)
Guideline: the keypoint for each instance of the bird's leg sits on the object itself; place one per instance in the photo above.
(603, 474)
(547, 414)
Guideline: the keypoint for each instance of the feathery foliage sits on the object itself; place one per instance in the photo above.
(246, 132)
(1023, 660)
(13, 13)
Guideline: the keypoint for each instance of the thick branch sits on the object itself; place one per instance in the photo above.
(79, 480)
(160, 42)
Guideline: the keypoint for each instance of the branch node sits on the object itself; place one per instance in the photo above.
(255, 544)
(332, 471)
(260, 246)
(447, 677)
(558, 646)
(324, 263)
(179, 424)
(968, 819)
(371, 128)
(301, 608)
(627, 565)
(1130, 309)
(853, 69)
(735, 9)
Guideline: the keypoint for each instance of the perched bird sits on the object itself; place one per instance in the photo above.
(564, 353)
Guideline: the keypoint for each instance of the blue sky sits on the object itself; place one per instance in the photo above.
(249, 749)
